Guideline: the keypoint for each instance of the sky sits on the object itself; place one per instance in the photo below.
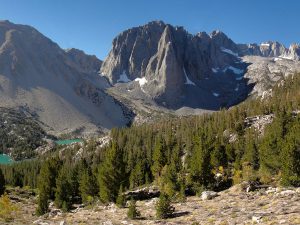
(91, 25)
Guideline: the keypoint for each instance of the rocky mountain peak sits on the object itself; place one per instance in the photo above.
(294, 52)
(87, 63)
(62, 88)
(170, 66)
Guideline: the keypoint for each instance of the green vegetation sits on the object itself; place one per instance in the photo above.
(188, 154)
(8, 210)
(133, 213)
(2, 183)
(164, 209)
(19, 134)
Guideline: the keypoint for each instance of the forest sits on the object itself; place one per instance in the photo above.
(182, 156)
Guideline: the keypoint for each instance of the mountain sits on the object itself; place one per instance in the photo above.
(152, 70)
(166, 66)
(60, 87)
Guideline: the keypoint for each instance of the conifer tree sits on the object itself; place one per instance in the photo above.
(137, 175)
(133, 213)
(121, 200)
(2, 183)
(200, 167)
(111, 174)
(164, 209)
(169, 180)
(63, 194)
(74, 183)
(158, 159)
(87, 185)
(47, 184)
(291, 159)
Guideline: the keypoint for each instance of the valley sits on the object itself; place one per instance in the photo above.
(170, 128)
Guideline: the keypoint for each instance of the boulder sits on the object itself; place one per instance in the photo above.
(208, 195)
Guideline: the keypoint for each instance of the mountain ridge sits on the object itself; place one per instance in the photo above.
(62, 87)
(176, 66)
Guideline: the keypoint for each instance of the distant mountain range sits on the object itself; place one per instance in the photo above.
(151, 70)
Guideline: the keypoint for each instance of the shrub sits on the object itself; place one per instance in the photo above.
(8, 211)
(164, 209)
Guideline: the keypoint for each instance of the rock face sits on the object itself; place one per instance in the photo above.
(62, 88)
(174, 64)
(177, 69)
(86, 63)
(266, 49)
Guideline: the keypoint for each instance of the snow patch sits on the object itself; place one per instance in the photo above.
(239, 78)
(286, 57)
(277, 59)
(142, 81)
(123, 78)
(215, 70)
(265, 44)
(228, 51)
(234, 70)
(237, 88)
(188, 81)
(216, 94)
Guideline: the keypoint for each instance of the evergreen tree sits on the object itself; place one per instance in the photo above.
(121, 200)
(169, 181)
(74, 183)
(2, 183)
(200, 168)
(218, 156)
(111, 174)
(47, 184)
(291, 159)
(158, 159)
(63, 194)
(87, 185)
(164, 209)
(133, 213)
(137, 175)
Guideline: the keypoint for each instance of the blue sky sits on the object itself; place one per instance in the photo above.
(91, 25)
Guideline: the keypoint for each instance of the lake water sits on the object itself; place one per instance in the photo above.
(67, 142)
(5, 159)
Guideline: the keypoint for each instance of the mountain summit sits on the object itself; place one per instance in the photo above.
(60, 88)
(177, 69)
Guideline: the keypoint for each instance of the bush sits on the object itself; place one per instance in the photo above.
(164, 209)
(133, 213)
(8, 211)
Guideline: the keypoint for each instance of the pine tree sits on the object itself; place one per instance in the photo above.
(200, 168)
(291, 159)
(164, 209)
(168, 181)
(158, 159)
(137, 175)
(111, 174)
(2, 183)
(63, 194)
(74, 183)
(218, 156)
(121, 200)
(47, 184)
(133, 213)
(88, 187)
